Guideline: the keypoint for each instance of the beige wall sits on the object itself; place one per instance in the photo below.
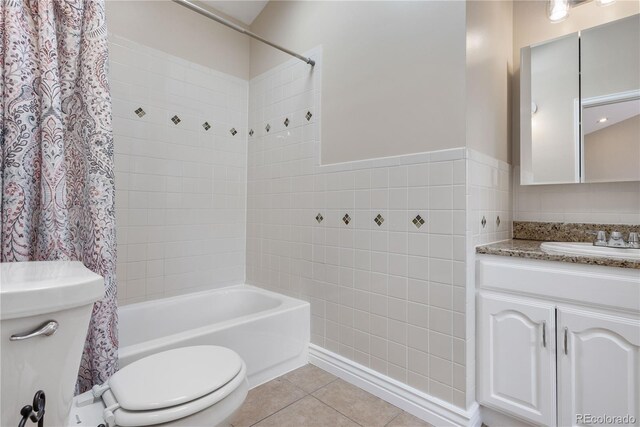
(613, 152)
(489, 69)
(530, 25)
(393, 77)
(169, 27)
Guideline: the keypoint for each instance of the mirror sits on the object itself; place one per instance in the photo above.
(580, 106)
(551, 148)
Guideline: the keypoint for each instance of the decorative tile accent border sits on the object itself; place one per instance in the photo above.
(418, 221)
(206, 125)
(566, 232)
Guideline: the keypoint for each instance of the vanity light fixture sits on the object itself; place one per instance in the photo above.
(557, 10)
(602, 120)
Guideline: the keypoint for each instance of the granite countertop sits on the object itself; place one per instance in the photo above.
(531, 249)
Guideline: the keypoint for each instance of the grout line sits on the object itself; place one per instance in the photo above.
(337, 410)
(297, 400)
(391, 420)
(330, 382)
(329, 406)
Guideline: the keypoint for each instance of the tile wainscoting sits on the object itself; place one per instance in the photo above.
(378, 247)
(180, 160)
(489, 219)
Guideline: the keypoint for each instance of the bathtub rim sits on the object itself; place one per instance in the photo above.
(287, 304)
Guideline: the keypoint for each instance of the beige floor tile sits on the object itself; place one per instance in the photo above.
(407, 420)
(357, 404)
(307, 412)
(265, 400)
(309, 378)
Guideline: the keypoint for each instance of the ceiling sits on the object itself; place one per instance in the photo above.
(244, 11)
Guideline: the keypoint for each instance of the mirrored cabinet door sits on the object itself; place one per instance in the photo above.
(610, 99)
(580, 106)
(554, 82)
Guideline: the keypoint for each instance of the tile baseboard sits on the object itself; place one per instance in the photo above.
(426, 407)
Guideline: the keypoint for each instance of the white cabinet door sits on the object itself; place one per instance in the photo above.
(598, 367)
(516, 357)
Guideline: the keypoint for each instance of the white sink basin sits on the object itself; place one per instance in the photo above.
(587, 249)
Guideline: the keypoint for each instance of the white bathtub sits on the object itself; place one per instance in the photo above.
(268, 330)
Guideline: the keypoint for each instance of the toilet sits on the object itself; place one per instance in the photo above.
(187, 386)
(45, 308)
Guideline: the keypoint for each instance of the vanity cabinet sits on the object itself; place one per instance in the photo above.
(549, 350)
(598, 365)
(517, 358)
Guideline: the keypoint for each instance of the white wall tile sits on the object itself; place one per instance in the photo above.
(180, 189)
(388, 291)
(615, 202)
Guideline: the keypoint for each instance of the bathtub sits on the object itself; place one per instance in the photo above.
(269, 331)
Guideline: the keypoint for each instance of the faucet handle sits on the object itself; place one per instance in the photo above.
(601, 237)
(634, 240)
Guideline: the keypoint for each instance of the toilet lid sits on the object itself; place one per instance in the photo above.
(174, 377)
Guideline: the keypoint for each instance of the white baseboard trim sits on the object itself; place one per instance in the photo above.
(428, 408)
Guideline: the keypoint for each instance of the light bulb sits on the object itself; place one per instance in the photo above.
(557, 10)
(602, 120)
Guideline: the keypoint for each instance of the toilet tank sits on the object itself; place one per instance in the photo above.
(33, 294)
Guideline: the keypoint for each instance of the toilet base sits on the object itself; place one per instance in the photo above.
(216, 415)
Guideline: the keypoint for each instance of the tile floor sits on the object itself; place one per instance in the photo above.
(312, 397)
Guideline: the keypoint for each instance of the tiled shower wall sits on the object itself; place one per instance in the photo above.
(377, 247)
(180, 136)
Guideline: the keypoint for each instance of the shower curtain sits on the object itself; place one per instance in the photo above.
(56, 163)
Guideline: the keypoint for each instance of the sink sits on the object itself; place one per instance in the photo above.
(588, 249)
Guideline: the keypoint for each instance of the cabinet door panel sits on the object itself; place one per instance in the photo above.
(599, 368)
(516, 356)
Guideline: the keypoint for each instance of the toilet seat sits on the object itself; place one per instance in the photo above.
(171, 385)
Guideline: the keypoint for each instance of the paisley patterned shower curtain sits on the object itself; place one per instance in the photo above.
(56, 163)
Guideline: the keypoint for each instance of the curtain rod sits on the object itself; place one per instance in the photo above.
(238, 28)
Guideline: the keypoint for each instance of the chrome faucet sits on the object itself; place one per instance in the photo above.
(616, 240)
